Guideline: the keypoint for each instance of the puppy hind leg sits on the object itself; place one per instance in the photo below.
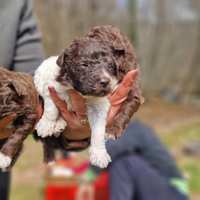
(48, 148)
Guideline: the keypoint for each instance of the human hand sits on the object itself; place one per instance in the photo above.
(76, 131)
(40, 109)
(85, 191)
(120, 95)
(6, 132)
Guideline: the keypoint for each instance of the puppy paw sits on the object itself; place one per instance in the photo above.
(60, 126)
(99, 157)
(51, 163)
(45, 127)
(113, 132)
(110, 136)
(5, 161)
(49, 159)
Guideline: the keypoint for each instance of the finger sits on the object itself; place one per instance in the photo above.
(124, 88)
(61, 105)
(39, 112)
(120, 95)
(78, 103)
(40, 107)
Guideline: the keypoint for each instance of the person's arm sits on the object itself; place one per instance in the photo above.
(28, 53)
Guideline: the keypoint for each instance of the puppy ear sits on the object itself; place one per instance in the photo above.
(18, 87)
(119, 46)
(61, 58)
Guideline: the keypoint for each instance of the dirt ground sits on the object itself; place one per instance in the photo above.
(28, 173)
(165, 116)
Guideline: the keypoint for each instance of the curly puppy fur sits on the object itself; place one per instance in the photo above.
(119, 58)
(125, 60)
(94, 66)
(18, 96)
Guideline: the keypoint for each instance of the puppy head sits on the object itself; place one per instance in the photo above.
(111, 35)
(89, 67)
(11, 93)
(121, 48)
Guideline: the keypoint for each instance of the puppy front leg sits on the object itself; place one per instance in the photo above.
(123, 117)
(51, 122)
(14, 160)
(97, 118)
(15, 141)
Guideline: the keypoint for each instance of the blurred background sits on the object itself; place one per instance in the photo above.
(166, 37)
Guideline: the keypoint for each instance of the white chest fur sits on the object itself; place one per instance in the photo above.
(52, 123)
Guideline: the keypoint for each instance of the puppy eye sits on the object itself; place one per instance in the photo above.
(111, 66)
(84, 65)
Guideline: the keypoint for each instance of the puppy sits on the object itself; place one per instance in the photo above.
(125, 60)
(18, 96)
(94, 66)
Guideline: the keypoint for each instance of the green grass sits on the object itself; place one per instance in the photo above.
(193, 171)
(29, 192)
(189, 165)
(182, 135)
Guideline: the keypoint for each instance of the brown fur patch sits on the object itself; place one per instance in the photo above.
(18, 96)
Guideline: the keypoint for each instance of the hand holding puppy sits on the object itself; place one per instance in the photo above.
(76, 131)
(74, 127)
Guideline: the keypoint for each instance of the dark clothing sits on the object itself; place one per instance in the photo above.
(61, 142)
(4, 185)
(131, 178)
(2, 141)
(20, 39)
(20, 50)
(4, 179)
(141, 167)
(141, 140)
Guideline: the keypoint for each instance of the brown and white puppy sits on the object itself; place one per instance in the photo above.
(94, 66)
(125, 60)
(18, 96)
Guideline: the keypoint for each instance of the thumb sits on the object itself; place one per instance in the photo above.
(124, 88)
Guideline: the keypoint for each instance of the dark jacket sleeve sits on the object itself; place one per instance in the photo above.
(130, 142)
(28, 48)
(141, 140)
(20, 39)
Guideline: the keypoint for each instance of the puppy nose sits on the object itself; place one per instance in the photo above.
(104, 82)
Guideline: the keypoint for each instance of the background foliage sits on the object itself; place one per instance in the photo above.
(165, 33)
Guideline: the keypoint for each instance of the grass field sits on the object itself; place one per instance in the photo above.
(176, 125)
(190, 165)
